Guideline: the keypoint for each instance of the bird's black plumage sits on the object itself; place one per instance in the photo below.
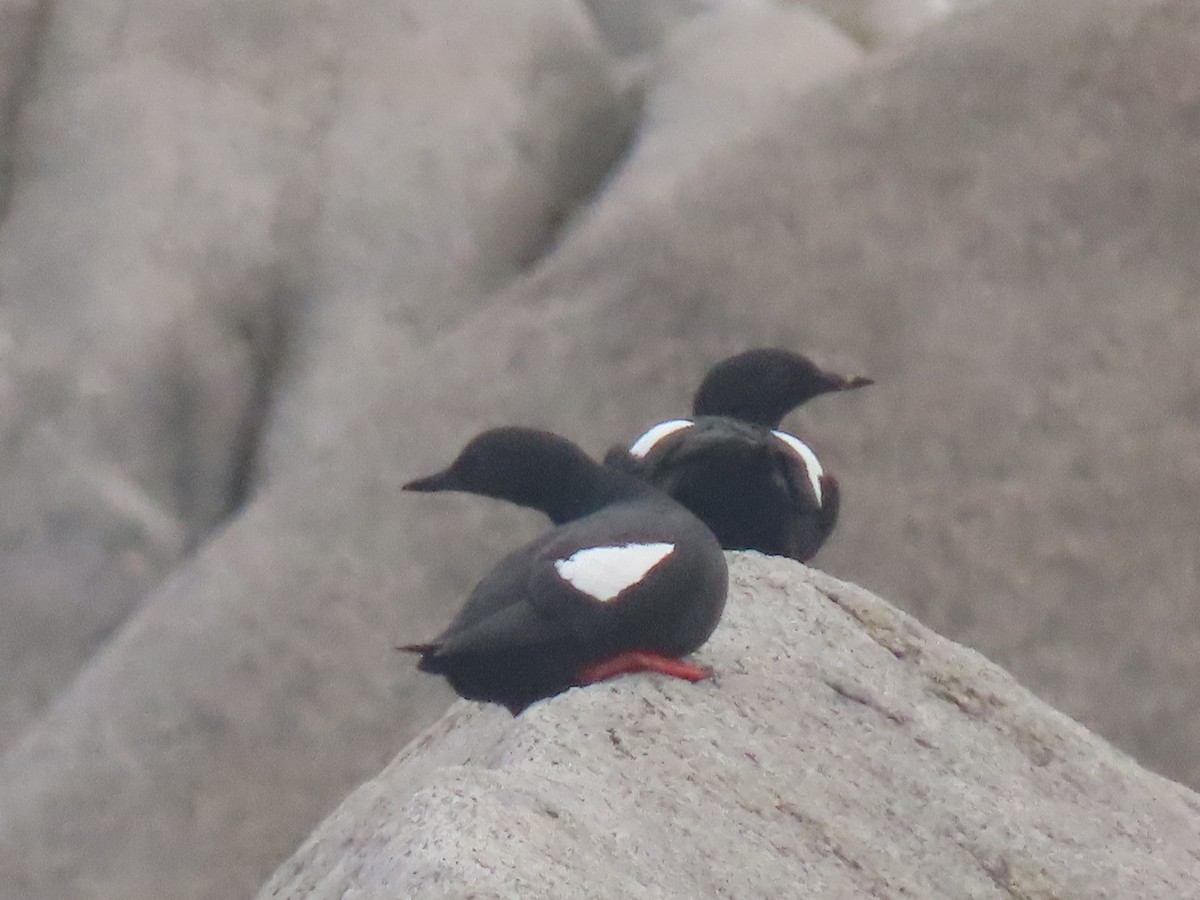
(763, 385)
(540, 618)
(756, 487)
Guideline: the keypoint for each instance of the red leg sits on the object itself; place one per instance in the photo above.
(641, 661)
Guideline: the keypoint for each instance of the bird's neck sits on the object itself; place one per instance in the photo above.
(602, 487)
(768, 416)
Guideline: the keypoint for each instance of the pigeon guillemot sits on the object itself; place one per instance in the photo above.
(755, 486)
(627, 581)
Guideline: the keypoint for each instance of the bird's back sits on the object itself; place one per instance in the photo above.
(749, 484)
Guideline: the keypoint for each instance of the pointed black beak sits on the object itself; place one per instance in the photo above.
(442, 481)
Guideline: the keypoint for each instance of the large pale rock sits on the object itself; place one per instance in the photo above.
(999, 225)
(258, 684)
(200, 191)
(142, 302)
(841, 751)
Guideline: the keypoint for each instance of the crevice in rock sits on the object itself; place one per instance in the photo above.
(859, 695)
(219, 387)
(886, 637)
(268, 338)
(269, 353)
(267, 312)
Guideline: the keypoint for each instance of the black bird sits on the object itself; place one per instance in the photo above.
(762, 386)
(756, 487)
(627, 581)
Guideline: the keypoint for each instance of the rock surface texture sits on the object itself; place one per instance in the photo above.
(262, 263)
(842, 751)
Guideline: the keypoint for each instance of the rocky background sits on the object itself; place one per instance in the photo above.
(262, 262)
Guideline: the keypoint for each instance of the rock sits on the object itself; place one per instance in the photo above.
(882, 23)
(718, 80)
(283, 163)
(996, 222)
(258, 684)
(137, 270)
(202, 234)
(444, 182)
(633, 27)
(842, 750)
(19, 22)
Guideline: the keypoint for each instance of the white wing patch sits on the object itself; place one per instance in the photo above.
(646, 442)
(812, 466)
(604, 572)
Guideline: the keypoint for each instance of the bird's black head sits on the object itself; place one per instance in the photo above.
(764, 385)
(532, 468)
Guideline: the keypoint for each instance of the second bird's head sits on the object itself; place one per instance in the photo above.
(764, 385)
(521, 465)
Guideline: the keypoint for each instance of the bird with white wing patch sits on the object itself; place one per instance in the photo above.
(757, 487)
(627, 581)
(646, 442)
(604, 572)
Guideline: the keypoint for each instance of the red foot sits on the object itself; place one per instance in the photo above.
(641, 661)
